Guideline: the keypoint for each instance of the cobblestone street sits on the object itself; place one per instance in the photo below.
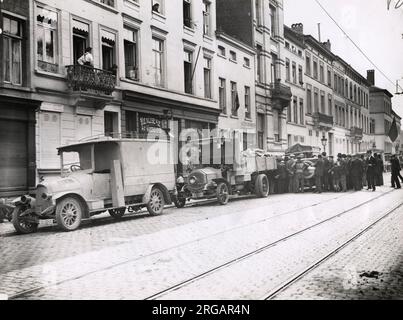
(245, 250)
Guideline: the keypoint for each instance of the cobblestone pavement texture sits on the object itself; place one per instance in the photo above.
(369, 268)
(141, 255)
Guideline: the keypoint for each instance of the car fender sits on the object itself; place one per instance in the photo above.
(147, 195)
(61, 195)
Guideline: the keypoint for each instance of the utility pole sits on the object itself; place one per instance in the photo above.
(319, 33)
(397, 88)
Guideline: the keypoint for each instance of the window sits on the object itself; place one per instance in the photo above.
(322, 102)
(316, 100)
(187, 13)
(287, 70)
(315, 68)
(221, 51)
(81, 32)
(131, 51)
(50, 139)
(289, 113)
(301, 112)
(300, 75)
(309, 100)
(108, 50)
(12, 54)
(110, 3)
(295, 110)
(259, 63)
(329, 77)
(232, 55)
(287, 45)
(346, 89)
(322, 73)
(273, 20)
(258, 12)
(330, 101)
(188, 68)
(222, 93)
(246, 62)
(294, 73)
(131, 122)
(157, 6)
(308, 65)
(46, 40)
(336, 83)
(234, 99)
(158, 62)
(206, 18)
(260, 131)
(207, 78)
(247, 103)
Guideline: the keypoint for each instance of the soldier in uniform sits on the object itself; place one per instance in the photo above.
(335, 172)
(290, 166)
(300, 167)
(326, 168)
(281, 176)
(319, 170)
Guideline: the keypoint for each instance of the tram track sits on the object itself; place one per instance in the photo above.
(21, 295)
(274, 243)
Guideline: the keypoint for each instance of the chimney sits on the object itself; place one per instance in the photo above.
(298, 28)
(371, 77)
(328, 45)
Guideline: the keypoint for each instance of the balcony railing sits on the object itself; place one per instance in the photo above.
(323, 120)
(84, 78)
(281, 94)
(356, 132)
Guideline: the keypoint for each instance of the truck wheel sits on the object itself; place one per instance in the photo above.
(69, 212)
(20, 224)
(180, 202)
(117, 213)
(222, 193)
(156, 204)
(262, 186)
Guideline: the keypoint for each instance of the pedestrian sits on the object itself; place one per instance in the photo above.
(356, 173)
(290, 166)
(300, 168)
(364, 171)
(87, 58)
(335, 172)
(371, 171)
(281, 177)
(326, 168)
(286, 159)
(319, 170)
(343, 172)
(330, 173)
(379, 169)
(395, 167)
(349, 162)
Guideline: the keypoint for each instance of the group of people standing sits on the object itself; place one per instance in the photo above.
(341, 174)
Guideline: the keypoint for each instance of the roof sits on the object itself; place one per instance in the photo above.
(299, 148)
(376, 89)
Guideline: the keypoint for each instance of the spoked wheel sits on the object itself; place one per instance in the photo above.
(222, 193)
(69, 213)
(262, 186)
(22, 224)
(117, 213)
(156, 204)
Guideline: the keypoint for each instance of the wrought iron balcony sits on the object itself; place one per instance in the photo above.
(281, 95)
(84, 78)
(356, 133)
(323, 121)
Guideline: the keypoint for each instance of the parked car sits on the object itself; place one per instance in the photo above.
(114, 175)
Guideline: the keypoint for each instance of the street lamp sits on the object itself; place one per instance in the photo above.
(324, 142)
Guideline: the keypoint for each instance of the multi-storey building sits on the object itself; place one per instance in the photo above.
(381, 116)
(259, 24)
(138, 81)
(236, 87)
(294, 54)
(17, 101)
(319, 92)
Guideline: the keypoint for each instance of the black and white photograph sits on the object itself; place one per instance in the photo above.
(201, 150)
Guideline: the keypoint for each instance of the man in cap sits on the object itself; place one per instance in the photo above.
(300, 167)
(395, 167)
(356, 173)
(371, 170)
(319, 171)
(326, 168)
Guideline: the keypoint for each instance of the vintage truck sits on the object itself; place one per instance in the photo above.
(229, 171)
(106, 174)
